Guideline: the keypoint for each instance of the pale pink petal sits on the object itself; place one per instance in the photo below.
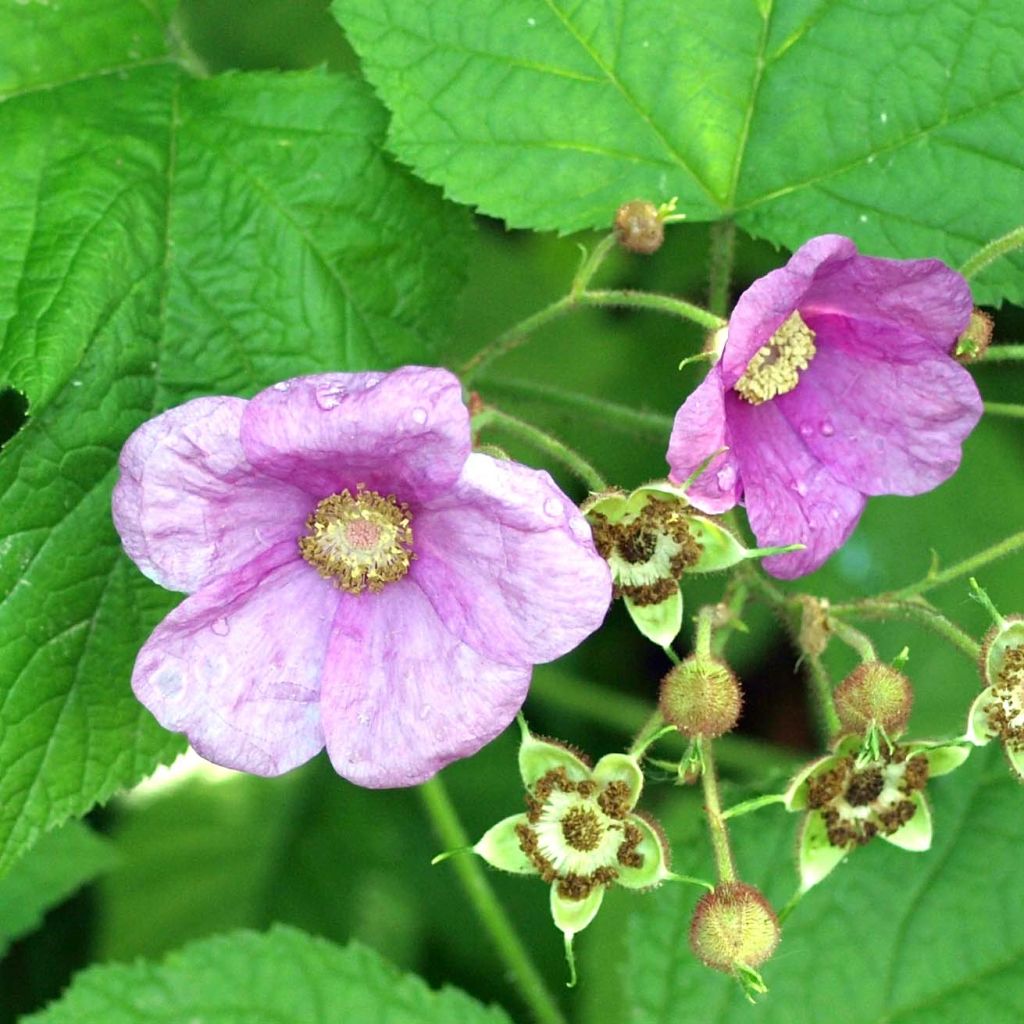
(509, 564)
(699, 430)
(401, 696)
(791, 498)
(188, 505)
(404, 433)
(884, 427)
(237, 666)
(769, 301)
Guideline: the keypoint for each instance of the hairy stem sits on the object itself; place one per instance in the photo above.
(492, 915)
(917, 610)
(724, 862)
(543, 441)
(668, 304)
(821, 691)
(1008, 409)
(995, 250)
(1004, 353)
(1005, 547)
(723, 250)
(855, 639)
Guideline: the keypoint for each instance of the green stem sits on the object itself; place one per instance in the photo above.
(702, 637)
(753, 804)
(723, 250)
(854, 638)
(591, 264)
(653, 425)
(543, 441)
(821, 689)
(492, 915)
(1005, 547)
(1004, 353)
(652, 300)
(724, 863)
(1008, 409)
(918, 611)
(995, 250)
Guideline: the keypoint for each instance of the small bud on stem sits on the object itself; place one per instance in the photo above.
(701, 697)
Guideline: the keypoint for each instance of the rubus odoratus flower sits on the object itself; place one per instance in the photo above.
(835, 382)
(998, 711)
(579, 833)
(650, 538)
(864, 790)
(358, 578)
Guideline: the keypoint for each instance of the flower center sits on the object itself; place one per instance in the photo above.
(1005, 711)
(581, 829)
(359, 541)
(775, 367)
(859, 802)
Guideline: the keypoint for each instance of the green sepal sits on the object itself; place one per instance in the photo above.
(1009, 634)
(660, 622)
(943, 757)
(795, 796)
(621, 768)
(500, 847)
(1015, 755)
(978, 731)
(720, 548)
(655, 868)
(817, 857)
(914, 835)
(538, 756)
(572, 916)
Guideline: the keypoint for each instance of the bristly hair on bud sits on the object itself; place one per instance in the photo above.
(701, 697)
(874, 692)
(974, 342)
(734, 927)
(639, 227)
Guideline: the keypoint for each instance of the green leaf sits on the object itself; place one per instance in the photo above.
(61, 863)
(163, 237)
(796, 117)
(244, 977)
(936, 937)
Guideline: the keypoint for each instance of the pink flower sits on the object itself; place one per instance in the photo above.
(835, 383)
(358, 578)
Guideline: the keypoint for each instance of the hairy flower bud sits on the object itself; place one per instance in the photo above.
(974, 342)
(638, 227)
(734, 927)
(874, 692)
(701, 697)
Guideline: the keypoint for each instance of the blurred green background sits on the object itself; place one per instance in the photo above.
(207, 854)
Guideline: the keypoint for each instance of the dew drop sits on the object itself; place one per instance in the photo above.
(330, 396)
(363, 719)
(801, 488)
(425, 710)
(806, 430)
(76, 383)
(826, 428)
(726, 477)
(282, 385)
(419, 416)
(220, 627)
(553, 507)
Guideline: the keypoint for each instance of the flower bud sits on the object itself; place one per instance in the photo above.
(701, 697)
(815, 630)
(734, 927)
(874, 692)
(638, 227)
(974, 342)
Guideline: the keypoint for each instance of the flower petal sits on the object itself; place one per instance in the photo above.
(509, 565)
(572, 916)
(916, 834)
(655, 868)
(882, 426)
(816, 856)
(620, 768)
(189, 506)
(763, 307)
(401, 697)
(500, 847)
(404, 433)
(236, 667)
(699, 430)
(790, 496)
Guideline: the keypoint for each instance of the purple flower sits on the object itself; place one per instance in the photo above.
(835, 382)
(358, 578)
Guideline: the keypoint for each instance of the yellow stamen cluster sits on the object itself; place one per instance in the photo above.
(359, 541)
(775, 367)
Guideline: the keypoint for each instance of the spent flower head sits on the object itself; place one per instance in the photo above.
(835, 383)
(357, 577)
(998, 711)
(580, 832)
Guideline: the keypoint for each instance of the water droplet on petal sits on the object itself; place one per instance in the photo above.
(806, 430)
(553, 507)
(282, 385)
(826, 428)
(425, 710)
(363, 719)
(419, 416)
(801, 488)
(329, 396)
(726, 477)
(220, 627)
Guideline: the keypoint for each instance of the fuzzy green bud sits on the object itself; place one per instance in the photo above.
(874, 692)
(734, 927)
(974, 342)
(701, 697)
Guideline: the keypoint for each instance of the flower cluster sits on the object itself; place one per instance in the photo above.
(357, 577)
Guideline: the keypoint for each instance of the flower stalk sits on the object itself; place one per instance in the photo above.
(724, 863)
(994, 250)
